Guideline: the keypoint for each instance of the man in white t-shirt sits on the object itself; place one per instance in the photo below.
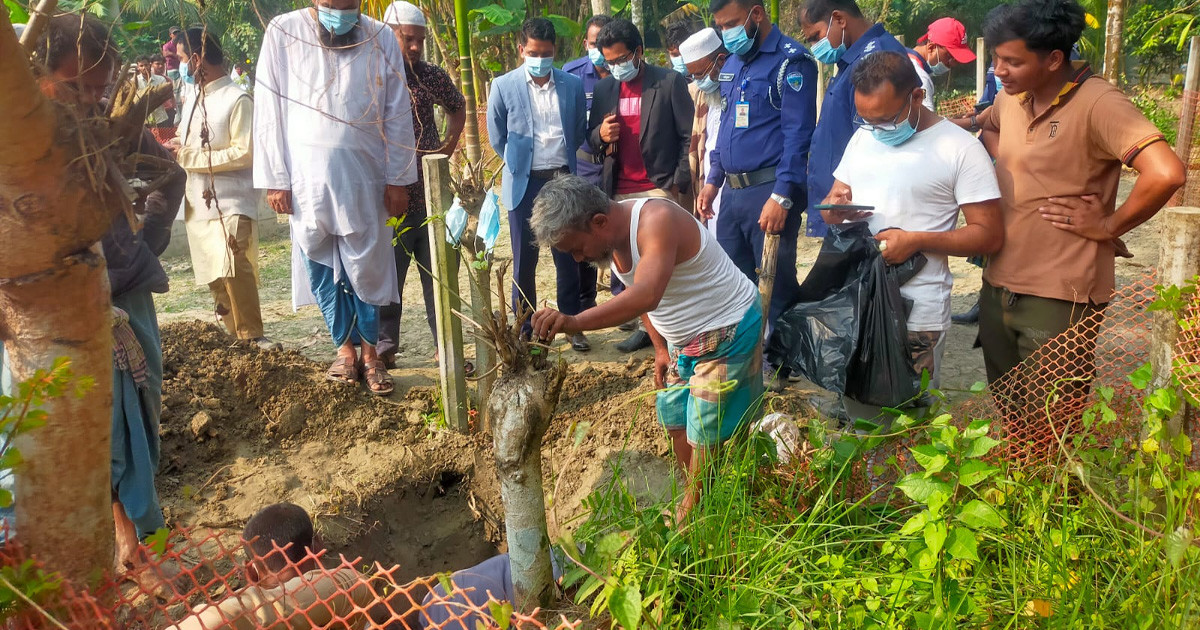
(918, 170)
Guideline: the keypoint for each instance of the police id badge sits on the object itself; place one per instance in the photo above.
(741, 115)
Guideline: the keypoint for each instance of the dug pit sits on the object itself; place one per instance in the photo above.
(243, 428)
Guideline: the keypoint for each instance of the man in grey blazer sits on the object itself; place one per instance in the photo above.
(537, 118)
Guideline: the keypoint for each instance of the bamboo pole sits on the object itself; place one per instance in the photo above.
(451, 373)
(467, 75)
(1187, 121)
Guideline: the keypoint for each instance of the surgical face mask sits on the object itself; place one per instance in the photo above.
(337, 21)
(185, 73)
(939, 69)
(679, 66)
(597, 58)
(901, 134)
(736, 40)
(708, 86)
(825, 52)
(538, 66)
(624, 72)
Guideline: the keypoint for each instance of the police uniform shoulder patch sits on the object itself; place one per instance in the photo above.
(725, 76)
(795, 80)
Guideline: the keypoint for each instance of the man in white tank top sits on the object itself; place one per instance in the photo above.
(703, 315)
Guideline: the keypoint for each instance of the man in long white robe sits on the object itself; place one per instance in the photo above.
(334, 147)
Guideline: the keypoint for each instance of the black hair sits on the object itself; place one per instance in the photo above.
(538, 28)
(815, 11)
(597, 20)
(157, 58)
(717, 5)
(140, 59)
(72, 33)
(278, 526)
(885, 66)
(1044, 25)
(619, 31)
(200, 42)
(678, 32)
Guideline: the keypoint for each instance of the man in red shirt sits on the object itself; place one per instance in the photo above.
(641, 118)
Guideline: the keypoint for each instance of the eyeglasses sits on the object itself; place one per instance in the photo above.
(700, 75)
(621, 60)
(891, 125)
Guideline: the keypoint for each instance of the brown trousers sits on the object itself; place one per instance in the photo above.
(237, 296)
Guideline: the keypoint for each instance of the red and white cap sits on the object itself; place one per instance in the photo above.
(950, 34)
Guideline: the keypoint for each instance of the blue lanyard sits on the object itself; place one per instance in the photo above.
(742, 89)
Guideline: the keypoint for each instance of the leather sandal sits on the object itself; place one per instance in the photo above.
(376, 376)
(343, 370)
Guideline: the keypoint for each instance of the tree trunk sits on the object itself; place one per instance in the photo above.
(1113, 29)
(521, 404)
(601, 7)
(466, 67)
(635, 13)
(54, 302)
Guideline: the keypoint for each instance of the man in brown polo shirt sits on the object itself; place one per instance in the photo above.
(1060, 136)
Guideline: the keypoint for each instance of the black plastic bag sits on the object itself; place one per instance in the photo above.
(848, 323)
(881, 371)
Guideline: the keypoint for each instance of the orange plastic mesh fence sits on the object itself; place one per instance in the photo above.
(956, 107)
(1043, 400)
(1188, 143)
(202, 582)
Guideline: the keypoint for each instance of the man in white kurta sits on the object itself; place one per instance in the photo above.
(334, 148)
(221, 203)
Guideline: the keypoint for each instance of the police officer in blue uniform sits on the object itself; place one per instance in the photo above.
(769, 87)
(590, 68)
(838, 33)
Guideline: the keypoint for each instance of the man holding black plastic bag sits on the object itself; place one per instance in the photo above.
(917, 170)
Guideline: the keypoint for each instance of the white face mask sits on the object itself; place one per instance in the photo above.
(938, 69)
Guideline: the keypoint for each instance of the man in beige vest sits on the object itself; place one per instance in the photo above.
(222, 204)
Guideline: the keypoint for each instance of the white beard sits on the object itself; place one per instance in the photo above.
(714, 99)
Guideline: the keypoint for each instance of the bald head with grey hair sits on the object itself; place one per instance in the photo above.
(567, 202)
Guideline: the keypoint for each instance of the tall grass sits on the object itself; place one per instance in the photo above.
(797, 547)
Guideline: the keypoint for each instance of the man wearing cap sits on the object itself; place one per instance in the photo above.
(944, 46)
(703, 56)
(429, 85)
(759, 164)
(172, 53)
(839, 34)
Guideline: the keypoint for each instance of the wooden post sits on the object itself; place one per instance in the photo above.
(981, 66)
(1179, 262)
(766, 273)
(445, 276)
(1187, 122)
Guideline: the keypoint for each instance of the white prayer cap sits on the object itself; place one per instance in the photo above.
(700, 45)
(401, 13)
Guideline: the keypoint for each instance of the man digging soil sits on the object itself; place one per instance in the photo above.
(703, 315)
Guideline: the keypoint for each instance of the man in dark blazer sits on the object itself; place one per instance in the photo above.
(642, 116)
(536, 119)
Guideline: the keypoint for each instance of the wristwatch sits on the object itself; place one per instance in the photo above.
(783, 202)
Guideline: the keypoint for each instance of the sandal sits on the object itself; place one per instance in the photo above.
(376, 376)
(343, 370)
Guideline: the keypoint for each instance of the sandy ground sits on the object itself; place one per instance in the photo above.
(244, 428)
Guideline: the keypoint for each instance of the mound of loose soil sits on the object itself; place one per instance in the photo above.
(243, 428)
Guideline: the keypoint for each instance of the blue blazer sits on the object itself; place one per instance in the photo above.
(510, 126)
